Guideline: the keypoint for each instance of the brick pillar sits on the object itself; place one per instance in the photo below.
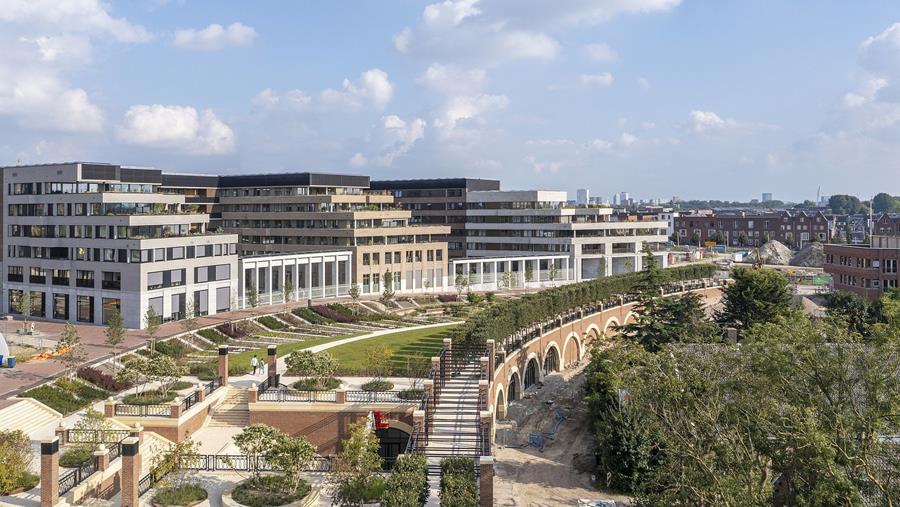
(484, 394)
(448, 346)
(137, 432)
(253, 393)
(487, 426)
(175, 409)
(485, 369)
(340, 396)
(201, 393)
(101, 458)
(428, 387)
(50, 472)
(486, 481)
(223, 364)
(419, 427)
(492, 355)
(272, 362)
(131, 472)
(436, 370)
(109, 407)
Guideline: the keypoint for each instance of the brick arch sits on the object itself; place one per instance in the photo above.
(592, 333)
(538, 369)
(514, 380)
(500, 403)
(572, 351)
(402, 426)
(552, 348)
(609, 328)
(629, 318)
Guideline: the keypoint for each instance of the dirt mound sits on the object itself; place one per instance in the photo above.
(810, 256)
(772, 252)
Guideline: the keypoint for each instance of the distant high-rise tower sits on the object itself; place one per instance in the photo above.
(582, 197)
(767, 196)
(623, 198)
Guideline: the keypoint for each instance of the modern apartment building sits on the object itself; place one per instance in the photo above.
(439, 201)
(83, 239)
(302, 212)
(743, 228)
(865, 270)
(539, 222)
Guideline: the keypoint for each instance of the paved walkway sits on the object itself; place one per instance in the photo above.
(27, 375)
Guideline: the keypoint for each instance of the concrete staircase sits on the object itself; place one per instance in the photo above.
(37, 420)
(233, 412)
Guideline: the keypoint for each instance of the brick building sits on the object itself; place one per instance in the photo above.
(888, 224)
(865, 270)
(743, 228)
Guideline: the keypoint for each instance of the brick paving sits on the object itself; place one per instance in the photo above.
(27, 375)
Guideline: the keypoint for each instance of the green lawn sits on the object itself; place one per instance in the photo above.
(243, 358)
(351, 358)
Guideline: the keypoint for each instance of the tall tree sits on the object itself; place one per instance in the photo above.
(885, 203)
(388, 293)
(755, 296)
(357, 466)
(23, 308)
(151, 326)
(69, 349)
(844, 204)
(354, 295)
(115, 333)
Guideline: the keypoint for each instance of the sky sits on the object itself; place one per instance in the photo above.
(713, 99)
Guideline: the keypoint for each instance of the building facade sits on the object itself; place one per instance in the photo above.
(305, 212)
(749, 229)
(865, 270)
(440, 201)
(85, 239)
(539, 222)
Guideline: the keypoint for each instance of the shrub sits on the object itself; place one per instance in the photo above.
(342, 309)
(310, 316)
(184, 494)
(15, 458)
(332, 315)
(447, 298)
(272, 323)
(267, 491)
(75, 457)
(377, 385)
(57, 399)
(411, 394)
(357, 491)
(212, 335)
(407, 486)
(149, 398)
(171, 349)
(102, 380)
(311, 384)
(458, 486)
(209, 371)
(235, 330)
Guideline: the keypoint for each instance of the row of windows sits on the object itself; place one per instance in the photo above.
(866, 283)
(394, 257)
(84, 306)
(289, 191)
(415, 279)
(110, 280)
(77, 188)
(176, 277)
(121, 255)
(886, 265)
(104, 231)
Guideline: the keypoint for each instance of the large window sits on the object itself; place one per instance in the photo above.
(61, 306)
(112, 280)
(223, 299)
(85, 308)
(178, 306)
(61, 277)
(84, 279)
(110, 305)
(201, 303)
(14, 273)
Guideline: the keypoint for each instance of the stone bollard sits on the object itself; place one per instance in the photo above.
(492, 355)
(201, 393)
(101, 458)
(485, 368)
(62, 433)
(419, 427)
(138, 432)
(487, 427)
(50, 472)
(131, 472)
(109, 407)
(340, 396)
(428, 387)
(486, 481)
(223, 365)
(253, 393)
(272, 363)
(175, 409)
(483, 394)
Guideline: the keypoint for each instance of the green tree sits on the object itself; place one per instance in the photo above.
(171, 464)
(160, 369)
(529, 272)
(378, 360)
(743, 240)
(151, 326)
(357, 466)
(319, 366)
(189, 322)
(407, 486)
(843, 204)
(288, 290)
(675, 319)
(15, 458)
(755, 296)
(69, 349)
(252, 296)
(388, 293)
(354, 295)
(553, 272)
(461, 282)
(115, 333)
(23, 307)
(473, 297)
(257, 441)
(291, 456)
(851, 309)
(885, 203)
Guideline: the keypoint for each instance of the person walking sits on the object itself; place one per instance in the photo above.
(254, 362)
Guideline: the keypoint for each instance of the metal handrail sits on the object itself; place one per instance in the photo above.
(189, 401)
(378, 397)
(295, 395)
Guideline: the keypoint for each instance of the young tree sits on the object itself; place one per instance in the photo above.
(291, 455)
(257, 441)
(388, 293)
(171, 464)
(357, 465)
(417, 368)
(115, 333)
(69, 349)
(505, 280)
(553, 272)
(252, 296)
(676, 319)
(189, 322)
(756, 296)
(428, 285)
(378, 360)
(461, 282)
(473, 297)
(23, 308)
(142, 371)
(288, 290)
(354, 295)
(319, 366)
(15, 459)
(529, 272)
(151, 326)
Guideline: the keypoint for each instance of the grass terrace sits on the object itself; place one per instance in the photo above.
(352, 357)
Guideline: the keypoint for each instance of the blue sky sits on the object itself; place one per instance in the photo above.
(701, 99)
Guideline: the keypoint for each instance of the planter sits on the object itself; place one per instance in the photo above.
(308, 501)
(198, 502)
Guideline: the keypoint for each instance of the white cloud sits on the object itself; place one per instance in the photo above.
(180, 128)
(358, 160)
(643, 84)
(292, 100)
(215, 37)
(539, 166)
(399, 136)
(467, 108)
(708, 121)
(75, 16)
(372, 87)
(403, 39)
(602, 79)
(601, 52)
(451, 79)
(449, 13)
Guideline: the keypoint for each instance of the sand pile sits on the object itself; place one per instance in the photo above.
(810, 256)
(772, 252)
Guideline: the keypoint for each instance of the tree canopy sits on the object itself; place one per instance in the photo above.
(755, 296)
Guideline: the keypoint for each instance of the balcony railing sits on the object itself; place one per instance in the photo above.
(112, 284)
(86, 283)
(58, 280)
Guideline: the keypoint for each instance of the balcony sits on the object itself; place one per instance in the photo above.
(37, 279)
(14, 278)
(112, 284)
(85, 283)
(61, 280)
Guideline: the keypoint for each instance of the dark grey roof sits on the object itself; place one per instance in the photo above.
(433, 183)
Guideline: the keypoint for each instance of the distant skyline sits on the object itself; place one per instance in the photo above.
(704, 100)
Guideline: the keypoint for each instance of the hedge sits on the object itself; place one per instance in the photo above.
(407, 486)
(102, 380)
(333, 315)
(507, 317)
(458, 486)
(310, 316)
(212, 335)
(272, 323)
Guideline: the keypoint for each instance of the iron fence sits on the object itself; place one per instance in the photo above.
(294, 395)
(189, 401)
(378, 397)
(96, 436)
(74, 477)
